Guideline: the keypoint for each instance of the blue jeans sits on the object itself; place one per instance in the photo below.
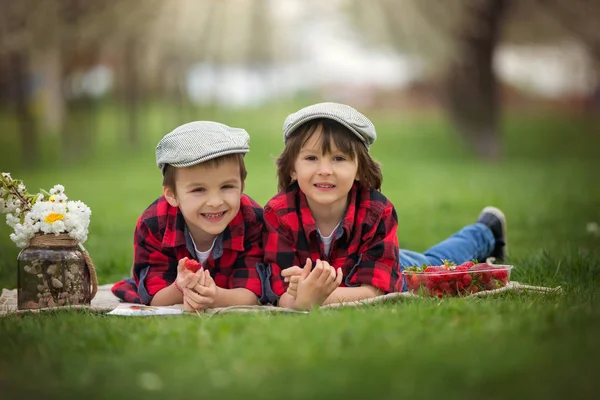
(471, 242)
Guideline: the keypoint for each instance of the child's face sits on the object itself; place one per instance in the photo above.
(325, 179)
(208, 197)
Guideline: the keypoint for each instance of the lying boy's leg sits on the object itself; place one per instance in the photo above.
(485, 238)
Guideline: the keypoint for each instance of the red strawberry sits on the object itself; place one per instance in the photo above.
(192, 265)
(473, 288)
(466, 279)
(413, 282)
(434, 269)
(433, 276)
(500, 274)
(467, 264)
(439, 274)
(484, 277)
(445, 287)
(492, 284)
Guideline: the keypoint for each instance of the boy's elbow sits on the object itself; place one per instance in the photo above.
(371, 290)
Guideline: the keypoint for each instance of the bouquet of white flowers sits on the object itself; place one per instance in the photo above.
(41, 213)
(54, 269)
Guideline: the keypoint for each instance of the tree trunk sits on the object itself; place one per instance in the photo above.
(470, 84)
(27, 127)
(131, 91)
(50, 68)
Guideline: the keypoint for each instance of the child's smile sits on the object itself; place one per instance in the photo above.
(209, 198)
(325, 179)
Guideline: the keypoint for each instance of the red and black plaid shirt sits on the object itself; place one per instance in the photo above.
(365, 245)
(161, 240)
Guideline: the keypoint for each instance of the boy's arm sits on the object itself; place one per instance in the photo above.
(244, 277)
(167, 296)
(287, 301)
(152, 268)
(280, 253)
(379, 256)
(235, 296)
(343, 294)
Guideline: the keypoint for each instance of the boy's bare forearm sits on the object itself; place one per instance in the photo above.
(287, 301)
(235, 297)
(352, 294)
(167, 296)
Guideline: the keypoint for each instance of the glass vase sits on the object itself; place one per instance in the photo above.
(52, 273)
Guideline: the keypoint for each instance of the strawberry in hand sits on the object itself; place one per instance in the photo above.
(192, 265)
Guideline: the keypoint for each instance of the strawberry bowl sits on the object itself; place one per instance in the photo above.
(456, 280)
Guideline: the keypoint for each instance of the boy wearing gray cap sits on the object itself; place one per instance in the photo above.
(199, 242)
(330, 233)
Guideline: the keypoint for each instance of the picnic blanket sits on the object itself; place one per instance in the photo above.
(105, 301)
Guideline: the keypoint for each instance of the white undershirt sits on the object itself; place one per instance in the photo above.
(203, 255)
(328, 239)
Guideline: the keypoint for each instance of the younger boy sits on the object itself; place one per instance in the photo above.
(202, 215)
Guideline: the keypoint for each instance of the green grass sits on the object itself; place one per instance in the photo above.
(521, 345)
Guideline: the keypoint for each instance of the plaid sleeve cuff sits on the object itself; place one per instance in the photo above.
(252, 284)
(379, 276)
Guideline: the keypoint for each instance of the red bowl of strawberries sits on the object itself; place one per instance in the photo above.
(456, 280)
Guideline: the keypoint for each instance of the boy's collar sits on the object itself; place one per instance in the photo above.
(176, 231)
(308, 220)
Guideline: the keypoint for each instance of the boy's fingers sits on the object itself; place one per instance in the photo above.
(187, 306)
(202, 290)
(307, 268)
(181, 265)
(317, 271)
(201, 276)
(193, 296)
(294, 280)
(334, 284)
(294, 270)
(208, 280)
(339, 277)
(190, 299)
(330, 275)
(192, 280)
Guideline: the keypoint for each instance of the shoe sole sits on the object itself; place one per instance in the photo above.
(500, 215)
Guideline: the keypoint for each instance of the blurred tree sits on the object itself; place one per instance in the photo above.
(151, 45)
(12, 23)
(470, 84)
(48, 40)
(459, 39)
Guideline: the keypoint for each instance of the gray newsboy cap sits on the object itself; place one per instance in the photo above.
(200, 141)
(357, 123)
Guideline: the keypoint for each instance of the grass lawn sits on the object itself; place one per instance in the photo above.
(524, 346)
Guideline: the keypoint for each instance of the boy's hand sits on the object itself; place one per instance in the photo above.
(185, 278)
(294, 278)
(315, 286)
(292, 275)
(207, 288)
(203, 294)
(295, 270)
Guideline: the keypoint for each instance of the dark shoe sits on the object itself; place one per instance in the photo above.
(494, 219)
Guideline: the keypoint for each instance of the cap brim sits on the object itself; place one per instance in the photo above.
(304, 120)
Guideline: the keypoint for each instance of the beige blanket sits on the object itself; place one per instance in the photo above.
(105, 301)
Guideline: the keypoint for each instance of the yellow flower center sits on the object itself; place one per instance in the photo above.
(51, 199)
(53, 217)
